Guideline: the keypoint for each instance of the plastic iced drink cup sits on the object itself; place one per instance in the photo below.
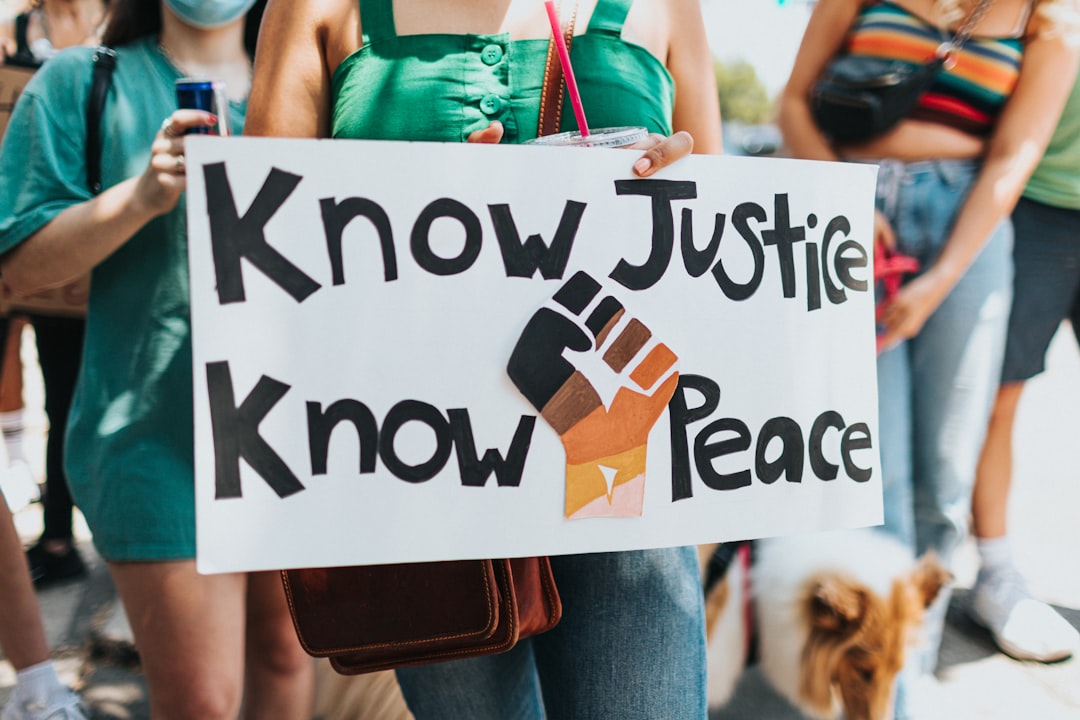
(612, 137)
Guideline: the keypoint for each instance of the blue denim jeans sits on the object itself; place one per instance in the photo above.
(631, 644)
(935, 391)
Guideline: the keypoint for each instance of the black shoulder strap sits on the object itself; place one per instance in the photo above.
(22, 21)
(22, 56)
(104, 64)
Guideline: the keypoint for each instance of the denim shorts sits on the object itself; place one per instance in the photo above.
(1046, 287)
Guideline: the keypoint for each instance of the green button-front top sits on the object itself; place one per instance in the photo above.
(491, 54)
(491, 104)
(442, 87)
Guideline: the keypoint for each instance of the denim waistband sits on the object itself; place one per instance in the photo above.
(894, 174)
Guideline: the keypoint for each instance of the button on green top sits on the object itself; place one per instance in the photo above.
(491, 54)
(490, 104)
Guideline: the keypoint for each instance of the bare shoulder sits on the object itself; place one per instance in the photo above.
(310, 15)
(667, 17)
(662, 26)
(685, 16)
(334, 25)
(648, 24)
(1055, 18)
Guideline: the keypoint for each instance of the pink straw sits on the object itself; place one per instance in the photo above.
(568, 69)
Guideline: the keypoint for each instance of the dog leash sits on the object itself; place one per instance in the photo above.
(890, 267)
(749, 636)
(721, 560)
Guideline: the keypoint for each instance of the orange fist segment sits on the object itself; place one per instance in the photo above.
(609, 487)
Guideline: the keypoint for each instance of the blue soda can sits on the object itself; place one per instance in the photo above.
(208, 95)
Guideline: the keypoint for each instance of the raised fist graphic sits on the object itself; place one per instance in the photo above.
(601, 380)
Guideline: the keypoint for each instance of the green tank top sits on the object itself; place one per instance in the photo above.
(444, 87)
(1056, 180)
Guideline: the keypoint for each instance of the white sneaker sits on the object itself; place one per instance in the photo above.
(925, 698)
(1022, 626)
(19, 486)
(64, 707)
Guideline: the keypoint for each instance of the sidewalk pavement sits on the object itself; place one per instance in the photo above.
(92, 646)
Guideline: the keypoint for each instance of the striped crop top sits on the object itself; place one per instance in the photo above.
(968, 96)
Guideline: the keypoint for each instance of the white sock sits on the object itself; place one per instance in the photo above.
(13, 422)
(13, 427)
(995, 554)
(37, 684)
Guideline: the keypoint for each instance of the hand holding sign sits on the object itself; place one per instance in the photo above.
(604, 433)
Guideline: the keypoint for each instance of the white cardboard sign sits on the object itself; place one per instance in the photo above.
(415, 351)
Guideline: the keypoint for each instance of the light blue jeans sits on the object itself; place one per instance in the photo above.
(935, 391)
(631, 644)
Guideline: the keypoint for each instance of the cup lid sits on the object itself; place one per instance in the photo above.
(600, 137)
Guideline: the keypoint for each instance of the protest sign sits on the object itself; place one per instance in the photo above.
(418, 351)
(12, 80)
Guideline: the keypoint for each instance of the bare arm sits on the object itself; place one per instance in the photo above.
(290, 93)
(7, 39)
(821, 41)
(1023, 131)
(697, 103)
(83, 235)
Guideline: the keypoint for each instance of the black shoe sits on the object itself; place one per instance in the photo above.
(47, 567)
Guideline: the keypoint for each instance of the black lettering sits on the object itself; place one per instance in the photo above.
(844, 263)
(681, 415)
(697, 262)
(705, 452)
(474, 471)
(662, 192)
(236, 434)
(321, 425)
(856, 437)
(337, 215)
(410, 411)
(421, 240)
(838, 224)
(523, 259)
(790, 460)
(739, 218)
(813, 278)
(235, 238)
(784, 236)
(824, 469)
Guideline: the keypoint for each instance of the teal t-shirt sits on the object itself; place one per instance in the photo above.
(129, 447)
(1056, 180)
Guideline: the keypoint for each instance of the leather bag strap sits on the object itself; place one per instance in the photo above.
(551, 93)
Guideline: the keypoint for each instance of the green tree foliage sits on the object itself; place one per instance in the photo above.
(742, 96)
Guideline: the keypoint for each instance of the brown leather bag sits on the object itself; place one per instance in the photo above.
(378, 617)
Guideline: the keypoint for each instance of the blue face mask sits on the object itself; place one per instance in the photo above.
(208, 14)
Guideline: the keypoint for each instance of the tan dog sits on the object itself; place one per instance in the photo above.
(835, 614)
(372, 696)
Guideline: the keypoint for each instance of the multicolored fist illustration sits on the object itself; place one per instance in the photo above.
(602, 380)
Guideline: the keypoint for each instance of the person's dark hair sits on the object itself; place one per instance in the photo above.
(130, 20)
